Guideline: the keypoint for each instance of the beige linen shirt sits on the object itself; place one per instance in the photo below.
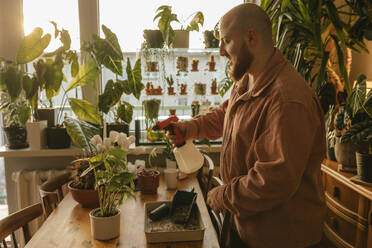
(273, 145)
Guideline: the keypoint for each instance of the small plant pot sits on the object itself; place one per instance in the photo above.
(58, 138)
(212, 66)
(88, 198)
(119, 127)
(48, 114)
(345, 153)
(104, 228)
(364, 166)
(209, 40)
(181, 39)
(36, 134)
(214, 91)
(170, 164)
(183, 90)
(194, 65)
(153, 38)
(152, 66)
(148, 181)
(171, 91)
(16, 136)
(172, 112)
(182, 63)
(200, 89)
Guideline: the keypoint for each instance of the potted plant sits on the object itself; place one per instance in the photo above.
(153, 39)
(359, 127)
(183, 88)
(211, 63)
(214, 87)
(170, 83)
(152, 66)
(151, 116)
(210, 41)
(194, 64)
(182, 63)
(176, 38)
(108, 54)
(200, 89)
(114, 183)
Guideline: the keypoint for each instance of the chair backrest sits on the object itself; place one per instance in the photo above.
(19, 219)
(220, 221)
(205, 175)
(51, 192)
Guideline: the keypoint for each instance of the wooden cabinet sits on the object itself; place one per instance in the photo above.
(349, 209)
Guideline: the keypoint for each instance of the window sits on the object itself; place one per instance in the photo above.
(129, 20)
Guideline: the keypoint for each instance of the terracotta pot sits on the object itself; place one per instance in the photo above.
(214, 91)
(88, 198)
(148, 181)
(104, 228)
(171, 91)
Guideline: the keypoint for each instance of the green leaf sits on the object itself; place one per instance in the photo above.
(30, 86)
(196, 21)
(135, 78)
(358, 95)
(80, 132)
(118, 153)
(125, 112)
(53, 79)
(12, 78)
(85, 111)
(24, 114)
(32, 46)
(88, 73)
(111, 96)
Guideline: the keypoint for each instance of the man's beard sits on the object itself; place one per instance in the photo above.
(240, 67)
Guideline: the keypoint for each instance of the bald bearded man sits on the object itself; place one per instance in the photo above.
(273, 140)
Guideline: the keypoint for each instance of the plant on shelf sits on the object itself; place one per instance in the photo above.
(165, 17)
(355, 119)
(150, 90)
(200, 89)
(14, 107)
(113, 181)
(194, 64)
(183, 88)
(170, 83)
(167, 153)
(210, 41)
(107, 54)
(214, 87)
(211, 63)
(151, 116)
(182, 63)
(152, 66)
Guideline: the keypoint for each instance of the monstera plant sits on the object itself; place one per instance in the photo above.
(107, 54)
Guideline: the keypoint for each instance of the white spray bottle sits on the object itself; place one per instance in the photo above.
(188, 157)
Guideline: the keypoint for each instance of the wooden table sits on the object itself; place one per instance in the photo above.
(69, 224)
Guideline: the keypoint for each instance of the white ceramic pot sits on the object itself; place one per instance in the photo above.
(104, 228)
(36, 134)
(170, 164)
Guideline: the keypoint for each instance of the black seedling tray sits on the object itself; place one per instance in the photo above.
(182, 205)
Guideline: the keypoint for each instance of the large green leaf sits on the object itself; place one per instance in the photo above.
(85, 110)
(53, 79)
(113, 42)
(88, 73)
(358, 95)
(24, 114)
(125, 112)
(30, 86)
(12, 78)
(135, 78)
(80, 132)
(111, 96)
(32, 46)
(367, 106)
(197, 20)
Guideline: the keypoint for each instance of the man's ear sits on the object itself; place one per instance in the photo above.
(251, 37)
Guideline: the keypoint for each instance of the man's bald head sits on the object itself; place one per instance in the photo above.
(248, 16)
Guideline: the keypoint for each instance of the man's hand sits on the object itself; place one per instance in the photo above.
(173, 138)
(212, 200)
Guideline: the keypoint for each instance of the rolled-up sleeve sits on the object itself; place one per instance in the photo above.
(282, 150)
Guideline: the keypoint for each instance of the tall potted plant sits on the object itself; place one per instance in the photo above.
(359, 127)
(13, 105)
(113, 181)
(176, 38)
(107, 53)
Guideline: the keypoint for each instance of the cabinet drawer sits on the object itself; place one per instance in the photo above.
(346, 230)
(342, 194)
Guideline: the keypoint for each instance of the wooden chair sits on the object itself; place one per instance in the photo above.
(51, 192)
(20, 219)
(205, 175)
(220, 221)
